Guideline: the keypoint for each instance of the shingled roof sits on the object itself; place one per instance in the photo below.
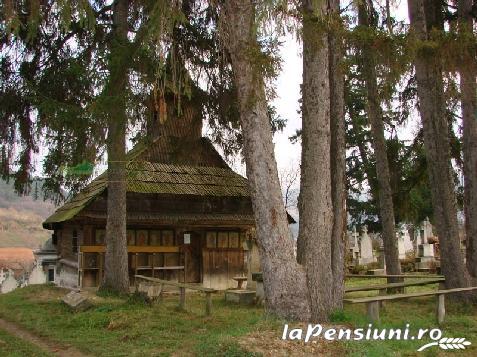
(162, 178)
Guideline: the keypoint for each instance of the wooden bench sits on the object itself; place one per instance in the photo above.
(372, 303)
(417, 276)
(383, 287)
(182, 287)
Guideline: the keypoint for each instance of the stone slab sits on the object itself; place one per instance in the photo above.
(243, 297)
(76, 301)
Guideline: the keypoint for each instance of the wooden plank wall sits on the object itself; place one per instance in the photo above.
(220, 266)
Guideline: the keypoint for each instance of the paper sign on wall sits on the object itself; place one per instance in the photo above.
(187, 238)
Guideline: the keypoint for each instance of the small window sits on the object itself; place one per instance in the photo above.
(155, 238)
(211, 240)
(99, 237)
(141, 237)
(243, 239)
(168, 238)
(74, 241)
(223, 240)
(131, 235)
(234, 241)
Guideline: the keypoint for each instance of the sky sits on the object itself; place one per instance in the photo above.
(288, 94)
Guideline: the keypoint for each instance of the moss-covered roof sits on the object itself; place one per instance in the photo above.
(148, 177)
(152, 177)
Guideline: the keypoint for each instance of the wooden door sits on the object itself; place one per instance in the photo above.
(221, 265)
(193, 258)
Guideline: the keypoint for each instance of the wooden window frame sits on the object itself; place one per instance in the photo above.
(74, 241)
(148, 239)
(95, 230)
(217, 232)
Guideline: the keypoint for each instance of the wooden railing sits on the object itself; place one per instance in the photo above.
(91, 260)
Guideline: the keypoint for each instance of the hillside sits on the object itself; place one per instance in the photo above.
(21, 218)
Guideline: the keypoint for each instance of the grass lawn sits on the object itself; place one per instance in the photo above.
(119, 327)
(11, 346)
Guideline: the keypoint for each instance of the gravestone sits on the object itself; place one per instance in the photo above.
(408, 245)
(76, 301)
(427, 229)
(7, 281)
(405, 244)
(366, 248)
(425, 250)
(353, 245)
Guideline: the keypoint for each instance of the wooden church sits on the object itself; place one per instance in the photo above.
(189, 215)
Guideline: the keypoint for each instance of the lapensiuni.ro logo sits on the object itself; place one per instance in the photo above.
(375, 334)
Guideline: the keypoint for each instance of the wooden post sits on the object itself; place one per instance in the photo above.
(208, 303)
(373, 311)
(441, 308)
(81, 271)
(100, 272)
(182, 298)
(381, 293)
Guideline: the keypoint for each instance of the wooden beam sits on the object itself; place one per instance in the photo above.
(173, 283)
(131, 249)
(152, 249)
(417, 276)
(441, 308)
(393, 285)
(407, 296)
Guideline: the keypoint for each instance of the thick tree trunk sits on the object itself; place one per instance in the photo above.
(468, 87)
(284, 279)
(315, 206)
(116, 276)
(375, 117)
(338, 159)
(423, 15)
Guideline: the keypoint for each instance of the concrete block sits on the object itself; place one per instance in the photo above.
(244, 297)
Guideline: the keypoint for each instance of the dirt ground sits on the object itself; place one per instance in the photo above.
(269, 343)
(48, 346)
